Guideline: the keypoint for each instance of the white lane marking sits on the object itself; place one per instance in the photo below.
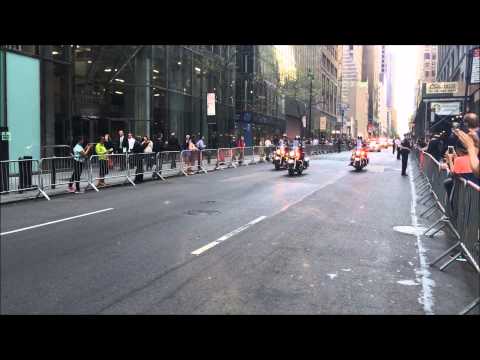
(55, 221)
(332, 276)
(426, 295)
(227, 236)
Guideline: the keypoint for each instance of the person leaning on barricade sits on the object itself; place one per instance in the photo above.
(79, 156)
(102, 152)
(471, 143)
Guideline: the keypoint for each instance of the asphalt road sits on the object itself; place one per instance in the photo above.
(322, 243)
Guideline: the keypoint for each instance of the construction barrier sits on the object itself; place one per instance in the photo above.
(21, 175)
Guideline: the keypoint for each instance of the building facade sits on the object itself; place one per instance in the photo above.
(371, 68)
(351, 77)
(452, 66)
(51, 95)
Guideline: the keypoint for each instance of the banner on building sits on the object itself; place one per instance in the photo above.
(446, 108)
(475, 72)
(442, 88)
(323, 123)
(210, 104)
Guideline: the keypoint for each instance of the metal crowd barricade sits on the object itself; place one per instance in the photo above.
(225, 158)
(191, 162)
(143, 164)
(21, 175)
(115, 166)
(261, 154)
(169, 163)
(436, 188)
(209, 159)
(247, 155)
(57, 171)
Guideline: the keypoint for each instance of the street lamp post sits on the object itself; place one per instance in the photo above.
(310, 75)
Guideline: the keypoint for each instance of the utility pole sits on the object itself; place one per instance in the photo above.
(310, 75)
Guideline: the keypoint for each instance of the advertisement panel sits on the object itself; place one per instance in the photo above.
(446, 108)
(323, 123)
(210, 104)
(475, 74)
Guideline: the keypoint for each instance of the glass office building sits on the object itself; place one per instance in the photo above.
(50, 95)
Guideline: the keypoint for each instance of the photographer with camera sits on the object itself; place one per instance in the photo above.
(471, 141)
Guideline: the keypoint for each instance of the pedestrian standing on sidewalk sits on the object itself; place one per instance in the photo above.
(393, 146)
(122, 146)
(137, 149)
(173, 145)
(79, 156)
(148, 149)
(404, 149)
(102, 152)
(397, 147)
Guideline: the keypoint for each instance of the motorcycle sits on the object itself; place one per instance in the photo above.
(359, 159)
(297, 161)
(279, 157)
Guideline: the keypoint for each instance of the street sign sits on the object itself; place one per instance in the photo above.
(323, 123)
(475, 74)
(442, 88)
(210, 104)
(446, 108)
(6, 136)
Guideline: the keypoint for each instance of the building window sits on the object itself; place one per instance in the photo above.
(426, 56)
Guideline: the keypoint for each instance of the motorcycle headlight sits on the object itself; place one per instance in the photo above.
(278, 152)
(292, 153)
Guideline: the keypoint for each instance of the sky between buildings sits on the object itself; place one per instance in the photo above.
(404, 78)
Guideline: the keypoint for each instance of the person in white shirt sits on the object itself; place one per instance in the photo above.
(131, 142)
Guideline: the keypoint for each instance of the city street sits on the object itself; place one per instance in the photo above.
(250, 240)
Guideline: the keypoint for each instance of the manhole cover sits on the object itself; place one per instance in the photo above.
(202, 212)
(412, 230)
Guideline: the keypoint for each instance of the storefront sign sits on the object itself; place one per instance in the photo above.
(442, 87)
(323, 123)
(210, 104)
(475, 74)
(446, 108)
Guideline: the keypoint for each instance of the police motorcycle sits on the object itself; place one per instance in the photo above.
(359, 158)
(297, 161)
(280, 155)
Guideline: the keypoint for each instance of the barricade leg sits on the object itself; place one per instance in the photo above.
(430, 208)
(445, 253)
(455, 257)
(470, 306)
(432, 226)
